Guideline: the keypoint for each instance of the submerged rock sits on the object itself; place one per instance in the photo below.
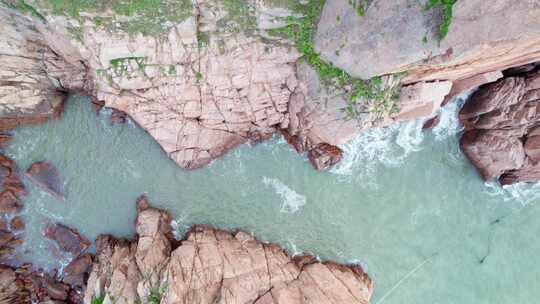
(502, 129)
(46, 176)
(211, 265)
(68, 239)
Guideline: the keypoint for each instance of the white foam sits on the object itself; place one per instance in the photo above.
(291, 200)
(524, 193)
(389, 146)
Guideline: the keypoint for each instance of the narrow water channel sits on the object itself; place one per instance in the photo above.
(405, 203)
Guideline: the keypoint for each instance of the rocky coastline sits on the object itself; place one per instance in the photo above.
(206, 266)
(209, 82)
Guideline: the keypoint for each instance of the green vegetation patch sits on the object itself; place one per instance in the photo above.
(240, 16)
(155, 296)
(360, 6)
(149, 17)
(363, 95)
(98, 300)
(446, 7)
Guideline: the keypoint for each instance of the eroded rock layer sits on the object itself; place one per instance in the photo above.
(503, 128)
(211, 266)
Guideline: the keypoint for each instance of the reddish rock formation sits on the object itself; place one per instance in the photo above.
(68, 239)
(17, 223)
(22, 285)
(324, 156)
(12, 189)
(211, 264)
(46, 176)
(502, 122)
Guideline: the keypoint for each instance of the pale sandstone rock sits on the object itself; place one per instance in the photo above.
(29, 89)
(484, 36)
(215, 266)
(198, 99)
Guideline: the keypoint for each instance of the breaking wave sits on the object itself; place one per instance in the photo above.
(291, 200)
(389, 146)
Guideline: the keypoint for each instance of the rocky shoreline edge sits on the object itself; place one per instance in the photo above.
(206, 266)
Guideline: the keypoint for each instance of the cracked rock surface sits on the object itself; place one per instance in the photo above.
(199, 89)
(214, 266)
(502, 121)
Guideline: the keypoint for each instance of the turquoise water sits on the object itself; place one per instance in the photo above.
(406, 204)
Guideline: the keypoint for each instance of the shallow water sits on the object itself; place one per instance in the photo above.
(406, 204)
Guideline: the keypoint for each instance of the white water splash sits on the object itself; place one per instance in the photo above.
(180, 226)
(389, 146)
(291, 200)
(524, 193)
(449, 124)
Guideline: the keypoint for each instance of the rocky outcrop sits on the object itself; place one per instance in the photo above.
(211, 265)
(394, 36)
(503, 124)
(32, 74)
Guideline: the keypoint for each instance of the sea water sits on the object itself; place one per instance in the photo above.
(405, 203)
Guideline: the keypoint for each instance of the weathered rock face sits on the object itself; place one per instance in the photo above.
(31, 78)
(198, 88)
(502, 120)
(318, 113)
(485, 38)
(399, 35)
(46, 176)
(12, 191)
(212, 265)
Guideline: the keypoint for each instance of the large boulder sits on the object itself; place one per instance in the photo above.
(390, 35)
(502, 121)
(401, 35)
(45, 175)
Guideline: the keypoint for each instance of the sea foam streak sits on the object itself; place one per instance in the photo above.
(291, 200)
